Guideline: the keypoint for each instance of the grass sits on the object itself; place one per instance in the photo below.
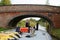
(56, 32)
(3, 29)
(54, 38)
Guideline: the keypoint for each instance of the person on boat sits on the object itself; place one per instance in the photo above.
(18, 30)
(28, 25)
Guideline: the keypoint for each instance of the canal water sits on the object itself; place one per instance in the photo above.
(41, 34)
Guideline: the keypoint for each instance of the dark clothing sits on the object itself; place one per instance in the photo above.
(37, 26)
(17, 29)
(27, 25)
(29, 29)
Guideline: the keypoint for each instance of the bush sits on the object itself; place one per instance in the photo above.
(21, 23)
(55, 32)
(3, 29)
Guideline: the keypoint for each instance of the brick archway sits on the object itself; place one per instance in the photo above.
(13, 12)
(13, 22)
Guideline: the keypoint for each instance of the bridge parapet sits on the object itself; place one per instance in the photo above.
(27, 7)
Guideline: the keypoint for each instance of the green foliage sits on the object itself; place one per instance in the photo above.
(21, 23)
(56, 32)
(43, 22)
(5, 2)
(0, 3)
(32, 22)
(3, 29)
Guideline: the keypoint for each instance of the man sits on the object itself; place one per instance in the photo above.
(28, 25)
(18, 30)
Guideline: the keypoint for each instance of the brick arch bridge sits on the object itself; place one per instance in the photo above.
(10, 15)
(13, 22)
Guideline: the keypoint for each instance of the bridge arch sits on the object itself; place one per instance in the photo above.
(13, 22)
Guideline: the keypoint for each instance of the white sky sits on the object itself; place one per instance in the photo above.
(36, 18)
(51, 2)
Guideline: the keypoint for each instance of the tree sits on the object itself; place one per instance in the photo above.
(0, 2)
(21, 23)
(5, 2)
(32, 22)
(43, 22)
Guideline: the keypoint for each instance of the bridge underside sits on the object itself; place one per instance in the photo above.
(15, 20)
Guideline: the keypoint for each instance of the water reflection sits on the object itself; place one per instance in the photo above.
(41, 34)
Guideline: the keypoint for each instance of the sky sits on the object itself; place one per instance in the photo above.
(36, 18)
(51, 2)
